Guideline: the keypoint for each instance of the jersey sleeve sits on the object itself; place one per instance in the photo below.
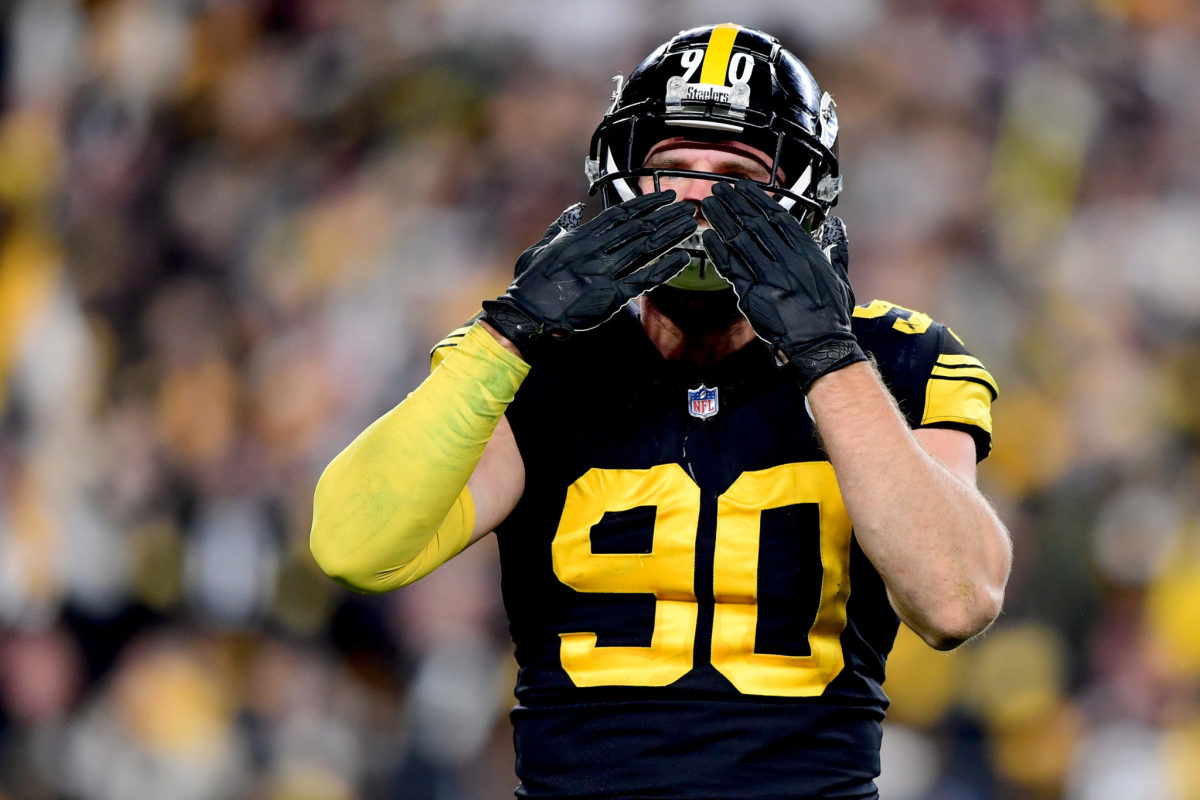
(393, 504)
(527, 416)
(959, 393)
(936, 380)
(443, 348)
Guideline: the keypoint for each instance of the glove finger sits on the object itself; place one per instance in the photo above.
(668, 215)
(727, 263)
(740, 230)
(570, 218)
(653, 232)
(836, 245)
(654, 273)
(755, 197)
(630, 209)
(745, 198)
(640, 253)
(648, 203)
(673, 230)
(567, 221)
(550, 235)
(721, 217)
(751, 195)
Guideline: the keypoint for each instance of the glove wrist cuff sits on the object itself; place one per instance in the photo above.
(512, 322)
(812, 361)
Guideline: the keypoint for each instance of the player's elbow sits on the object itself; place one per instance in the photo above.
(344, 554)
(336, 561)
(348, 527)
(372, 560)
(968, 615)
(948, 638)
(374, 537)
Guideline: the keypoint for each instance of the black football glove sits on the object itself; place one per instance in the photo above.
(836, 247)
(575, 279)
(793, 296)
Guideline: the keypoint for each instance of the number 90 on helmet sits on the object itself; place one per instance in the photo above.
(722, 82)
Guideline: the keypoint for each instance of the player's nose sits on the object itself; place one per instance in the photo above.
(693, 191)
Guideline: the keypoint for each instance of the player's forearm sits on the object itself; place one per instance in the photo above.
(941, 550)
(383, 502)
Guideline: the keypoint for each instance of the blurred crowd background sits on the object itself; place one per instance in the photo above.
(230, 231)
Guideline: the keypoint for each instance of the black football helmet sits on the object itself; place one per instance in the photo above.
(721, 82)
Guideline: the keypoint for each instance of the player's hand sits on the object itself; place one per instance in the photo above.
(575, 279)
(794, 297)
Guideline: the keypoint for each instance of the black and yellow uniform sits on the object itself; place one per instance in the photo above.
(692, 615)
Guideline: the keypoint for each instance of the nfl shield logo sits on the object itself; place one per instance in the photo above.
(702, 402)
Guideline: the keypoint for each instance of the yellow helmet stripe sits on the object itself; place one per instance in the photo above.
(716, 55)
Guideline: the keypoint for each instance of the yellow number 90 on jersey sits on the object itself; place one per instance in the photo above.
(668, 573)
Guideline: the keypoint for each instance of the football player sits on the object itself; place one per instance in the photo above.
(714, 505)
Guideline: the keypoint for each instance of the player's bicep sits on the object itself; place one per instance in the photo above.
(498, 481)
(954, 449)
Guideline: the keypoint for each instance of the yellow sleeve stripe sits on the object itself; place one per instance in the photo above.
(968, 402)
(717, 54)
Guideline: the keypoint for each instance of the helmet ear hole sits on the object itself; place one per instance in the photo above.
(722, 82)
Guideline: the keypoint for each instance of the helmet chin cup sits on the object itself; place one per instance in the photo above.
(699, 275)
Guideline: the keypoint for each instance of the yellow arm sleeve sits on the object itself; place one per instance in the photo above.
(394, 505)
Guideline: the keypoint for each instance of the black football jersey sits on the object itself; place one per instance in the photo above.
(692, 615)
